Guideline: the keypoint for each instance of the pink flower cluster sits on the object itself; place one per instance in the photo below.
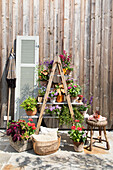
(65, 59)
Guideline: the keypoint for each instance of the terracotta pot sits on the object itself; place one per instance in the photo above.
(60, 98)
(78, 146)
(31, 113)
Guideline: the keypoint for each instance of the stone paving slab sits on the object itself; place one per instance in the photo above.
(64, 159)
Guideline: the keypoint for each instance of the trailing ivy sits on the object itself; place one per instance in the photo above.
(78, 115)
(65, 116)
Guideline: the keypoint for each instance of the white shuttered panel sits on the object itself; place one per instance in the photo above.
(27, 57)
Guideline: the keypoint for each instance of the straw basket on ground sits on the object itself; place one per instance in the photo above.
(46, 147)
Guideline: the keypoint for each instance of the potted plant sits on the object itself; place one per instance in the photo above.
(53, 110)
(66, 62)
(19, 133)
(84, 108)
(41, 93)
(74, 90)
(29, 106)
(52, 96)
(78, 135)
(43, 75)
(80, 98)
(60, 91)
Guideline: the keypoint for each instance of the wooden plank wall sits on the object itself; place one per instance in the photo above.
(83, 28)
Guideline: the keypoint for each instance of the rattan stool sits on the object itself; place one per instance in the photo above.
(101, 126)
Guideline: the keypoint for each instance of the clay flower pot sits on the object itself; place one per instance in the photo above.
(31, 113)
(78, 146)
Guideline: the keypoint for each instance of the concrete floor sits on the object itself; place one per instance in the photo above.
(64, 159)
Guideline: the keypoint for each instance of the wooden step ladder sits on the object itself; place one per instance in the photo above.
(56, 63)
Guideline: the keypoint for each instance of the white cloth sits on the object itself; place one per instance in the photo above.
(46, 134)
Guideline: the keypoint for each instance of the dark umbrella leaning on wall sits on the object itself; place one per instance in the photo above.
(11, 78)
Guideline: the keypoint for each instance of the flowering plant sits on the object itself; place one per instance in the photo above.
(41, 91)
(53, 110)
(43, 74)
(52, 94)
(86, 104)
(29, 104)
(74, 90)
(21, 130)
(65, 59)
(70, 80)
(77, 133)
(49, 64)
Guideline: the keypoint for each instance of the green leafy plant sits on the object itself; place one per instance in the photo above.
(74, 90)
(21, 130)
(41, 91)
(86, 104)
(29, 104)
(65, 116)
(77, 114)
(77, 133)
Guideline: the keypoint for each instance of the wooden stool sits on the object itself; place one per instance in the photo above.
(100, 125)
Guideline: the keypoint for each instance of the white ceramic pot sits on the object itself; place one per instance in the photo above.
(53, 100)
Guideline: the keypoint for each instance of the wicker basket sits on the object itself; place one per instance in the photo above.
(46, 148)
(21, 146)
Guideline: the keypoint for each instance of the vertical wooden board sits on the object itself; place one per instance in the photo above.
(20, 18)
(31, 16)
(97, 53)
(72, 29)
(46, 20)
(105, 64)
(82, 45)
(51, 3)
(55, 28)
(66, 25)
(41, 30)
(91, 83)
(26, 17)
(15, 20)
(59, 28)
(36, 17)
(76, 44)
(87, 49)
(107, 57)
(4, 59)
(111, 71)
(102, 60)
(0, 55)
(10, 24)
(109, 31)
